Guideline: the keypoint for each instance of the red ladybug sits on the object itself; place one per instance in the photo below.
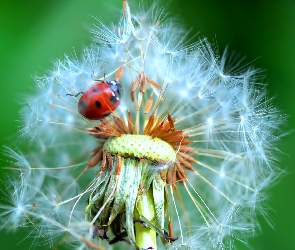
(100, 100)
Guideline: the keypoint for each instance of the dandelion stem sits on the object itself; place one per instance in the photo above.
(145, 236)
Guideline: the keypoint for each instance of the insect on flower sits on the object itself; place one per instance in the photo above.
(102, 99)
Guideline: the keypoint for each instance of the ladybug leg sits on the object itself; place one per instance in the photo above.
(80, 93)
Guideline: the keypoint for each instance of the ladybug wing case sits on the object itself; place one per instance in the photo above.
(98, 102)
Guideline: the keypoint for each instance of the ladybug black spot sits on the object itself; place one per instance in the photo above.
(98, 104)
(113, 99)
(82, 105)
(95, 90)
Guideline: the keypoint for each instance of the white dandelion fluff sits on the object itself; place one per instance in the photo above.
(181, 159)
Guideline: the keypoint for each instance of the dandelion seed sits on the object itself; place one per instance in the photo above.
(183, 161)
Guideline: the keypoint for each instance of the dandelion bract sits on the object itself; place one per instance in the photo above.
(182, 163)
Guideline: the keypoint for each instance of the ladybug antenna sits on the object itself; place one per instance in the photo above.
(104, 78)
(80, 93)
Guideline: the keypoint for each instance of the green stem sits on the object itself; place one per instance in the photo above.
(145, 237)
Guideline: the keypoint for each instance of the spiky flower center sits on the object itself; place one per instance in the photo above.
(140, 146)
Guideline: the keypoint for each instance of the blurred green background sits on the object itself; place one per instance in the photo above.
(34, 33)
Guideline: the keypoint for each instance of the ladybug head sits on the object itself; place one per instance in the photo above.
(116, 87)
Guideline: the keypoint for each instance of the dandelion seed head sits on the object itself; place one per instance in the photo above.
(178, 99)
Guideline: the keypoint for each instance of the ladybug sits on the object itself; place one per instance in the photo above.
(100, 100)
